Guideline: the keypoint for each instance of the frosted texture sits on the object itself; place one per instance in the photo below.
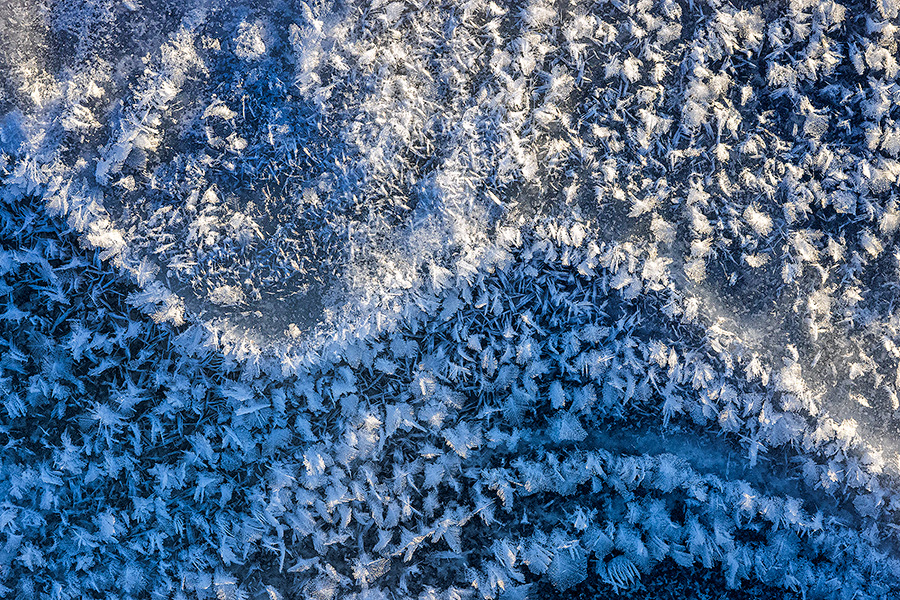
(445, 300)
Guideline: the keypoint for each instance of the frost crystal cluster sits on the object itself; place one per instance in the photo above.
(423, 300)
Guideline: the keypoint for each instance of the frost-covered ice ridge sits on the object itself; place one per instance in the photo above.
(449, 300)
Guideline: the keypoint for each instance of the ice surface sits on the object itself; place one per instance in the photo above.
(448, 299)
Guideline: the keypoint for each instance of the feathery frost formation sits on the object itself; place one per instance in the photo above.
(448, 300)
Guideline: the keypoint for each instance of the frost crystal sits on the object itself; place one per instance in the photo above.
(448, 300)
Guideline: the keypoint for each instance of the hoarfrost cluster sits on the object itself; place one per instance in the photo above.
(447, 300)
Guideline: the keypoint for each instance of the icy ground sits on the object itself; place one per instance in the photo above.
(449, 299)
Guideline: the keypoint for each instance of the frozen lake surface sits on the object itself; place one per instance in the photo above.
(451, 300)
